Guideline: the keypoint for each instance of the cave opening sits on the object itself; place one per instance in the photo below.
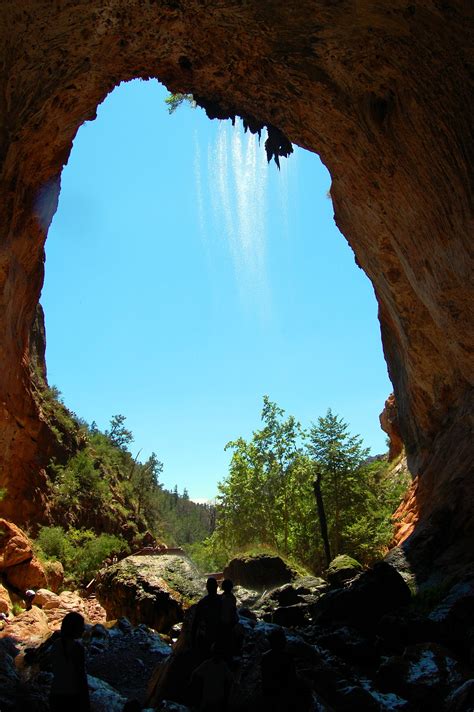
(185, 279)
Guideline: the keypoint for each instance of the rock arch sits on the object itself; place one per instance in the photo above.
(381, 91)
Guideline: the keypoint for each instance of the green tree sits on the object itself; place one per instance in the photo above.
(118, 433)
(174, 101)
(257, 500)
(338, 458)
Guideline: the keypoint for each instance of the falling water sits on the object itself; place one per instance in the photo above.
(237, 180)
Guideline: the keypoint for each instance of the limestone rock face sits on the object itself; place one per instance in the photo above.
(382, 91)
(5, 600)
(29, 574)
(149, 589)
(15, 547)
(30, 627)
(389, 424)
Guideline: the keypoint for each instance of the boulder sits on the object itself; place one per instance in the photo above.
(426, 674)
(348, 644)
(9, 678)
(291, 616)
(342, 569)
(363, 602)
(397, 630)
(153, 589)
(54, 574)
(29, 627)
(453, 618)
(349, 697)
(29, 574)
(67, 601)
(260, 571)
(103, 697)
(15, 547)
(46, 599)
(309, 585)
(462, 698)
(5, 600)
(286, 595)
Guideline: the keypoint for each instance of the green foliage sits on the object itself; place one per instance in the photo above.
(63, 423)
(118, 433)
(268, 498)
(104, 486)
(79, 478)
(53, 543)
(80, 551)
(174, 101)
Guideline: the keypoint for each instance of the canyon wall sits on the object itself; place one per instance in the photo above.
(382, 91)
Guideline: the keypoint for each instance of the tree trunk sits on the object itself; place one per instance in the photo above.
(322, 517)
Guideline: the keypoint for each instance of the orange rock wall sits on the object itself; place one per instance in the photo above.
(382, 91)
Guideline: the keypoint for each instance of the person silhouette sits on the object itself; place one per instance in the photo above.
(229, 604)
(229, 619)
(69, 690)
(207, 621)
(278, 674)
(212, 681)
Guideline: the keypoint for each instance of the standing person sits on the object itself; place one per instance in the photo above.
(29, 596)
(69, 691)
(278, 674)
(229, 604)
(207, 622)
(212, 682)
(229, 617)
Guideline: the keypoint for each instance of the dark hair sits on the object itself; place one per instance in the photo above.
(72, 626)
(211, 584)
(227, 585)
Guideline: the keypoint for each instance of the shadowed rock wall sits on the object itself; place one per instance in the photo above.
(382, 91)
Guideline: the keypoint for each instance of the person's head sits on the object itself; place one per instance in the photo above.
(277, 639)
(211, 585)
(72, 626)
(227, 585)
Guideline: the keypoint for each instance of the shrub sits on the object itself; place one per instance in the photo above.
(53, 543)
(80, 551)
(92, 553)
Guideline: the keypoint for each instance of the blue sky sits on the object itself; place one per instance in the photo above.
(186, 278)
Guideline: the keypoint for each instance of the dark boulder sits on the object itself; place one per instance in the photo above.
(453, 618)
(365, 600)
(341, 569)
(425, 675)
(396, 631)
(259, 572)
(462, 699)
(291, 616)
(349, 644)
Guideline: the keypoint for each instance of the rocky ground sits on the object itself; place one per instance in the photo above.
(360, 639)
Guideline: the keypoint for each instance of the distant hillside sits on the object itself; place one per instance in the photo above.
(96, 483)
